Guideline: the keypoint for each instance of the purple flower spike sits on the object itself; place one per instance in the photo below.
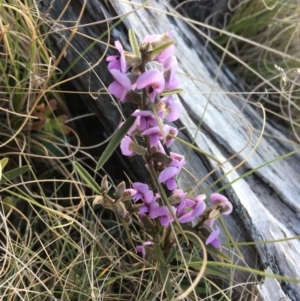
(121, 86)
(213, 238)
(219, 198)
(153, 80)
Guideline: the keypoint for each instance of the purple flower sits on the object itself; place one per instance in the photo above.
(169, 174)
(147, 196)
(154, 207)
(129, 192)
(170, 65)
(134, 129)
(213, 238)
(158, 149)
(172, 108)
(121, 86)
(178, 196)
(169, 130)
(150, 207)
(153, 80)
(126, 143)
(142, 248)
(154, 134)
(164, 214)
(216, 198)
(146, 118)
(117, 61)
(142, 191)
(177, 160)
(188, 209)
(157, 40)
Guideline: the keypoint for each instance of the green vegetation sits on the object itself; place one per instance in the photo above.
(263, 39)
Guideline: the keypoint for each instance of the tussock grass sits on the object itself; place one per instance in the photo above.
(270, 47)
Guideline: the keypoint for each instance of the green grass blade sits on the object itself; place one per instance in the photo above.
(160, 48)
(134, 43)
(115, 141)
(87, 177)
(163, 272)
(172, 92)
(14, 173)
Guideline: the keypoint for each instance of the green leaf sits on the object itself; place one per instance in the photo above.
(163, 271)
(14, 173)
(115, 141)
(172, 254)
(3, 163)
(171, 92)
(160, 48)
(87, 177)
(134, 43)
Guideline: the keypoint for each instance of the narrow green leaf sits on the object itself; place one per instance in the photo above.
(14, 173)
(171, 92)
(160, 48)
(3, 163)
(134, 43)
(163, 271)
(115, 141)
(87, 177)
(172, 254)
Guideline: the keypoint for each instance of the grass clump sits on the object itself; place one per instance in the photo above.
(264, 36)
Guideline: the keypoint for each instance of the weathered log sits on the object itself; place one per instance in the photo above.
(267, 201)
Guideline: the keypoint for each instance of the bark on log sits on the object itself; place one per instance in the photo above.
(267, 202)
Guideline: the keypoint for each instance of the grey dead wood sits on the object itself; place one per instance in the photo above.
(267, 202)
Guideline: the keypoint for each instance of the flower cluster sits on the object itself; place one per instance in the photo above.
(148, 78)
